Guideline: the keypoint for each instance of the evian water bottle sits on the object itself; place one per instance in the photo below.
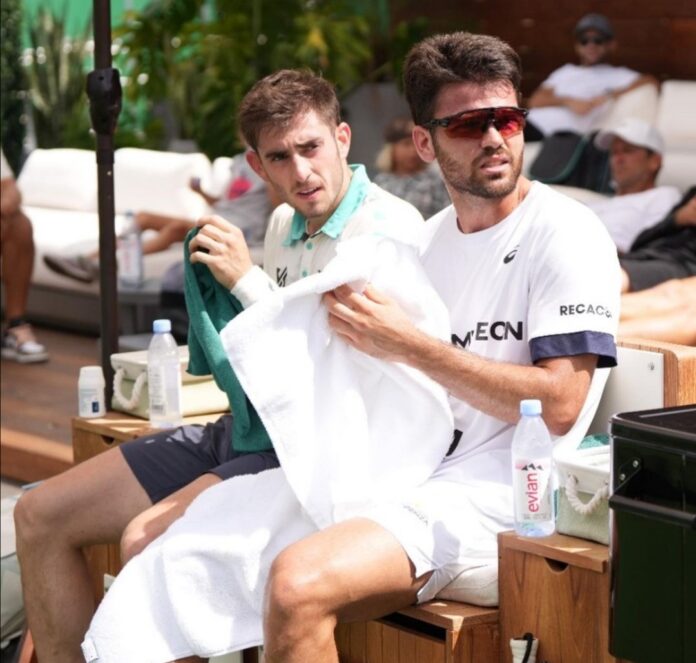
(532, 483)
(164, 377)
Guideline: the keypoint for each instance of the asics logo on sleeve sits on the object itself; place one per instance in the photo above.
(511, 256)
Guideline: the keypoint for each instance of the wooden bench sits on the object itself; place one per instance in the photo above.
(450, 631)
(650, 374)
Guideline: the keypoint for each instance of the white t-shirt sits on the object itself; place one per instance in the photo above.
(627, 216)
(578, 82)
(544, 282)
(289, 255)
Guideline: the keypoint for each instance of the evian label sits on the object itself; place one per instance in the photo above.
(532, 489)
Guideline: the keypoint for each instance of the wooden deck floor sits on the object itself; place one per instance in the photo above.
(37, 404)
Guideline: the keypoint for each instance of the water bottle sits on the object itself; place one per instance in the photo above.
(532, 474)
(90, 392)
(164, 377)
(129, 254)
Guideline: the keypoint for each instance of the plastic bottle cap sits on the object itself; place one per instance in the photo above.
(162, 326)
(530, 407)
(91, 373)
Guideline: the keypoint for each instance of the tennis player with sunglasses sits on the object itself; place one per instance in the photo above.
(531, 280)
(575, 97)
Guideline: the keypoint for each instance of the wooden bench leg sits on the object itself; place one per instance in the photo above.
(250, 655)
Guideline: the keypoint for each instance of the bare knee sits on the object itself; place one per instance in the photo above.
(294, 587)
(177, 230)
(35, 517)
(17, 230)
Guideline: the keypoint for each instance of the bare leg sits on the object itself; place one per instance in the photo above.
(666, 297)
(353, 570)
(169, 229)
(91, 503)
(148, 525)
(666, 312)
(17, 262)
(678, 326)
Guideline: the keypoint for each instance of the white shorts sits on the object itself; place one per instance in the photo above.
(448, 527)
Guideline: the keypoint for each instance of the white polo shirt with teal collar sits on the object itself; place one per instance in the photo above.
(290, 254)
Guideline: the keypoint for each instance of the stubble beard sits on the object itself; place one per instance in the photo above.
(473, 183)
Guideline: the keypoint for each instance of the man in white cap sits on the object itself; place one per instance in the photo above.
(575, 96)
(635, 158)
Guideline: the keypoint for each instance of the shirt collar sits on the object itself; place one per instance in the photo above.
(334, 225)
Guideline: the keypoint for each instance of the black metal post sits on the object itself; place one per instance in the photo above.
(104, 92)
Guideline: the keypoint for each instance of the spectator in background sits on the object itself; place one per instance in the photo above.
(659, 278)
(664, 251)
(17, 242)
(575, 96)
(405, 174)
(243, 200)
(635, 157)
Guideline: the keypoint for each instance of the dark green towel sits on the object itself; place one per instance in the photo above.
(210, 307)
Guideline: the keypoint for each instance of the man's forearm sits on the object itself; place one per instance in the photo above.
(640, 81)
(496, 388)
(544, 97)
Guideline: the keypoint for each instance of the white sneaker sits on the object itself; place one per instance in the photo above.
(19, 344)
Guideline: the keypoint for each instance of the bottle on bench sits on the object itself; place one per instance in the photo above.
(532, 473)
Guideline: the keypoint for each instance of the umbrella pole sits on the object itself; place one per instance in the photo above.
(104, 92)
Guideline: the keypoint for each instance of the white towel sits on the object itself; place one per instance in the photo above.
(349, 430)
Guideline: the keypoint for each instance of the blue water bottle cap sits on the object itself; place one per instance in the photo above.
(530, 407)
(162, 326)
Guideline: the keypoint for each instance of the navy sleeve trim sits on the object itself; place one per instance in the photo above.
(577, 343)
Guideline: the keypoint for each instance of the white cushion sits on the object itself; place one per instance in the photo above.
(676, 118)
(642, 103)
(678, 169)
(219, 178)
(63, 178)
(154, 181)
(478, 585)
(68, 233)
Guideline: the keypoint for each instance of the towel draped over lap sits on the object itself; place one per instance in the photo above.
(350, 430)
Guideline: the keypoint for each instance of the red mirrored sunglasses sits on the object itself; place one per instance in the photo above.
(508, 121)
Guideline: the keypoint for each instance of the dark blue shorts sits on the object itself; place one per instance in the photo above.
(166, 462)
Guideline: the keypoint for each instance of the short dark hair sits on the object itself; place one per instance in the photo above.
(457, 57)
(279, 98)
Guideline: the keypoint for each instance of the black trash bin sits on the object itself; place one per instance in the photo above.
(653, 539)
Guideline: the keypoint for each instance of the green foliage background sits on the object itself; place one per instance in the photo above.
(186, 64)
(56, 75)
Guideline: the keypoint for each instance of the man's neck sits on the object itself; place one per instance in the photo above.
(475, 213)
(636, 187)
(315, 224)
